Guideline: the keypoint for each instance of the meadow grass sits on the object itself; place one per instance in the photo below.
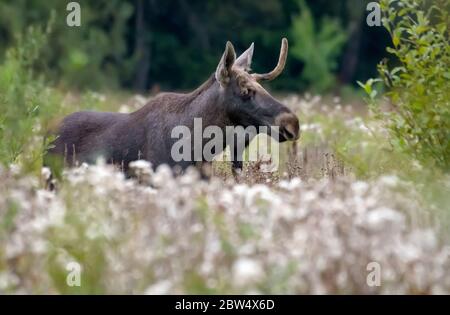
(340, 200)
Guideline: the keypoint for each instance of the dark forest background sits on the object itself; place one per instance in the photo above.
(150, 44)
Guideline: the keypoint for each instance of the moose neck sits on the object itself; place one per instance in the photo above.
(208, 103)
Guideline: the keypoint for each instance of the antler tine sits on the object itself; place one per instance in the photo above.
(280, 66)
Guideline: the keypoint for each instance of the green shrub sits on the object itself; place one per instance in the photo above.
(317, 46)
(418, 85)
(90, 56)
(26, 104)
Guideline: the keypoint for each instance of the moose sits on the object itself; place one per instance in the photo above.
(231, 96)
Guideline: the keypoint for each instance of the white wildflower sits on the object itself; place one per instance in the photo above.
(381, 218)
(161, 287)
(46, 173)
(247, 271)
(360, 187)
(124, 109)
(290, 185)
(389, 180)
(162, 176)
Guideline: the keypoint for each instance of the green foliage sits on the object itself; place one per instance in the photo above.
(318, 45)
(26, 104)
(91, 55)
(418, 86)
(177, 44)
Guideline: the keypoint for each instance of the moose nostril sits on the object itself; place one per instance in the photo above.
(289, 125)
(289, 134)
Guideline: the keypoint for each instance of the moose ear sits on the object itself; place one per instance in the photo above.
(245, 60)
(223, 72)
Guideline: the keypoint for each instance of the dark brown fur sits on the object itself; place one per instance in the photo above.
(231, 97)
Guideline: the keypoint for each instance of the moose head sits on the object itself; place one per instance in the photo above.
(246, 101)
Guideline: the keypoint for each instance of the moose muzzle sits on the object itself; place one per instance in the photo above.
(289, 127)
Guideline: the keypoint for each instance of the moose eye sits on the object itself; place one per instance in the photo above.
(247, 94)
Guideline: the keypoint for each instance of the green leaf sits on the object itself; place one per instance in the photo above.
(396, 40)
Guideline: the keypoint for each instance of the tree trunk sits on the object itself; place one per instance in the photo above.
(142, 48)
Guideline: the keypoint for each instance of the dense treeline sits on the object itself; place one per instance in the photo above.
(140, 44)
